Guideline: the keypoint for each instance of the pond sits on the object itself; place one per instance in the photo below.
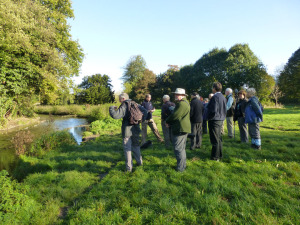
(8, 159)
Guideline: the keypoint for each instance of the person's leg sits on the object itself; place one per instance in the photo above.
(136, 149)
(199, 135)
(229, 121)
(222, 128)
(193, 139)
(154, 129)
(127, 152)
(243, 129)
(166, 133)
(214, 139)
(255, 135)
(144, 131)
(179, 142)
(219, 136)
(204, 126)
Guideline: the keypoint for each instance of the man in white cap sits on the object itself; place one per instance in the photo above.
(180, 124)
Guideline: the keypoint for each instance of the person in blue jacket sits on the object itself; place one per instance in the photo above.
(253, 116)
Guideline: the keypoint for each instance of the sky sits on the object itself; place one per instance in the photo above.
(177, 32)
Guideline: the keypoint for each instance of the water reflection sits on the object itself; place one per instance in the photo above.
(7, 153)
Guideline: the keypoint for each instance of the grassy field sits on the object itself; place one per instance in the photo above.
(87, 184)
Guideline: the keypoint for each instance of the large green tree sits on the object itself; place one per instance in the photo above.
(289, 78)
(236, 68)
(95, 89)
(37, 54)
(133, 72)
(139, 91)
(164, 83)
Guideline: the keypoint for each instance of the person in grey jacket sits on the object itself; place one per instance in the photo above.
(130, 133)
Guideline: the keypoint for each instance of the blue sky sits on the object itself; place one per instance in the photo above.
(180, 32)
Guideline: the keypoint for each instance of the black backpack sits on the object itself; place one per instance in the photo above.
(135, 114)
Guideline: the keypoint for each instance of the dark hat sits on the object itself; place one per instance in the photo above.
(194, 93)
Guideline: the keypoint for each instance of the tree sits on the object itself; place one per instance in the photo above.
(276, 94)
(164, 83)
(37, 54)
(134, 71)
(289, 78)
(96, 89)
(236, 68)
(139, 91)
(209, 68)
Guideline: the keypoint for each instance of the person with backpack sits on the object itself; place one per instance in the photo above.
(253, 116)
(166, 110)
(239, 115)
(180, 124)
(147, 104)
(132, 115)
(230, 106)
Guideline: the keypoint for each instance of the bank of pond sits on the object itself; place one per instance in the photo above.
(46, 124)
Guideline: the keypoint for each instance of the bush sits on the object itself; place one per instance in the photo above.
(15, 206)
(22, 141)
(107, 124)
(52, 141)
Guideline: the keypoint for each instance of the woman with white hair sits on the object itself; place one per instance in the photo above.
(253, 116)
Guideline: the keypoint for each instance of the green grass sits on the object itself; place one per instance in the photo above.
(87, 184)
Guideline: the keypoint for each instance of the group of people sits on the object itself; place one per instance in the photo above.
(185, 120)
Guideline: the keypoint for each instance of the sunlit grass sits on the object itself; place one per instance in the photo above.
(247, 187)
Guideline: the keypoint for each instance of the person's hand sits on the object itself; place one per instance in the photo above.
(167, 125)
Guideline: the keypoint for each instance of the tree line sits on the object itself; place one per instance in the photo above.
(238, 68)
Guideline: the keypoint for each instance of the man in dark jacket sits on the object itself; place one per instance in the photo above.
(239, 115)
(196, 116)
(166, 110)
(180, 124)
(216, 114)
(147, 104)
(130, 133)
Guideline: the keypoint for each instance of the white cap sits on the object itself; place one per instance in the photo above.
(179, 91)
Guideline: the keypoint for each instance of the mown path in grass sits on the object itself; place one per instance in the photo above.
(87, 184)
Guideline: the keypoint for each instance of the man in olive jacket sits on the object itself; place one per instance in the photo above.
(180, 123)
(130, 133)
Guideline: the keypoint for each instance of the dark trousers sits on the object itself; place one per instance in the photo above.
(215, 136)
(243, 129)
(197, 131)
(204, 126)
